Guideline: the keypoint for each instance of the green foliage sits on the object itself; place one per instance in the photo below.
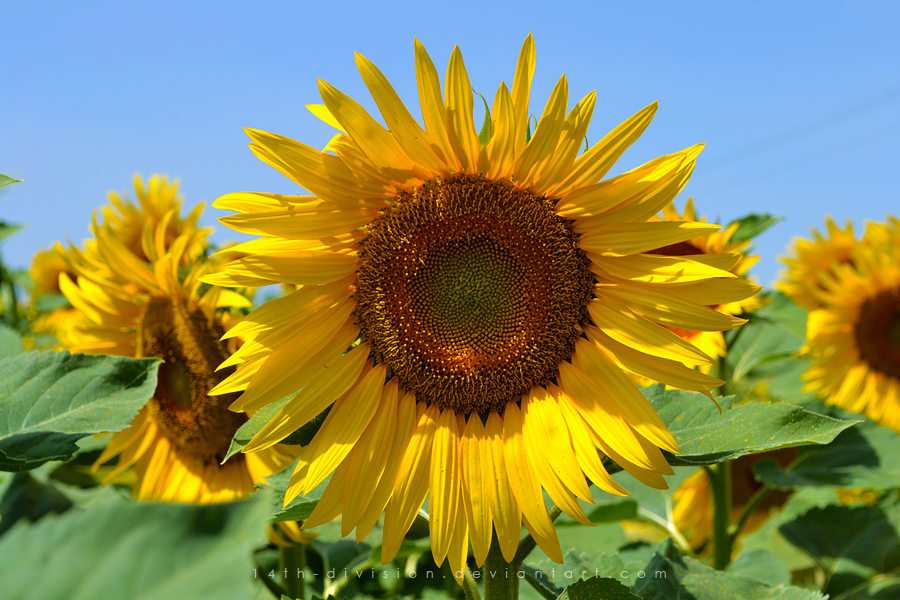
(7, 229)
(10, 342)
(136, 551)
(302, 506)
(861, 457)
(752, 225)
(705, 436)
(671, 575)
(254, 424)
(487, 126)
(48, 400)
(6, 180)
(597, 588)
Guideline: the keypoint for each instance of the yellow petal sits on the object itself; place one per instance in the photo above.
(622, 239)
(322, 112)
(500, 149)
(304, 267)
(460, 108)
(622, 397)
(505, 508)
(522, 89)
(670, 311)
(324, 388)
(655, 268)
(539, 152)
(571, 140)
(476, 490)
(599, 159)
(411, 485)
(402, 125)
(444, 476)
(346, 421)
(635, 331)
(309, 221)
(434, 113)
(525, 486)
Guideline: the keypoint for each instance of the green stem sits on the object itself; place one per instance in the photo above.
(669, 528)
(332, 590)
(720, 483)
(293, 563)
(500, 579)
(470, 588)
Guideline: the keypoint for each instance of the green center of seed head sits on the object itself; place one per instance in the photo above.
(471, 290)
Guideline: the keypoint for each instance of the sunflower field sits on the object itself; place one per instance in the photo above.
(455, 360)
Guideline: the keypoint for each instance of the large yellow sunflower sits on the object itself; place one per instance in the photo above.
(46, 267)
(490, 297)
(853, 339)
(154, 305)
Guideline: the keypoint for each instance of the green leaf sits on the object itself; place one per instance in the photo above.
(671, 575)
(7, 229)
(6, 180)
(705, 436)
(302, 506)
(763, 360)
(260, 418)
(140, 551)
(51, 302)
(862, 457)
(752, 225)
(48, 400)
(762, 565)
(617, 510)
(10, 342)
(487, 127)
(597, 588)
(30, 499)
(853, 544)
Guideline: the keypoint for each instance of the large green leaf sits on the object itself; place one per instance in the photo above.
(137, 551)
(854, 545)
(48, 400)
(705, 436)
(862, 457)
(671, 575)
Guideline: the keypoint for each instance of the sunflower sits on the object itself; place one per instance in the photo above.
(853, 339)
(817, 263)
(468, 311)
(157, 307)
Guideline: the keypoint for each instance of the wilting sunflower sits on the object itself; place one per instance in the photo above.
(491, 298)
(854, 337)
(157, 307)
(816, 264)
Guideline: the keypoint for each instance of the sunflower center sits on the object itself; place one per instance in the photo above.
(195, 422)
(471, 291)
(877, 332)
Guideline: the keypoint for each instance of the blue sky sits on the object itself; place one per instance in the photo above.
(797, 102)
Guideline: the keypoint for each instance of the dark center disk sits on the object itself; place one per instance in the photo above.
(877, 332)
(195, 422)
(471, 291)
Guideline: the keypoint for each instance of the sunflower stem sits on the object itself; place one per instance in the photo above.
(500, 579)
(720, 483)
(293, 563)
(470, 588)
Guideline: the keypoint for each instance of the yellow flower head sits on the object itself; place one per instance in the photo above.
(154, 305)
(854, 336)
(492, 296)
(815, 265)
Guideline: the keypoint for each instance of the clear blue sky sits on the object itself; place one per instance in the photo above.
(797, 101)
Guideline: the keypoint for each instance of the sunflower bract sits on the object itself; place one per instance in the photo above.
(491, 363)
